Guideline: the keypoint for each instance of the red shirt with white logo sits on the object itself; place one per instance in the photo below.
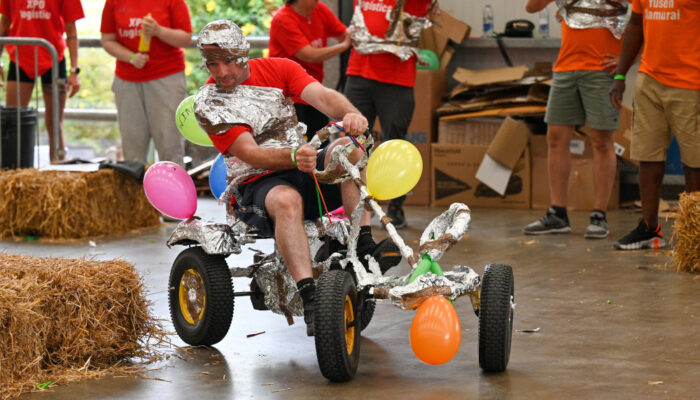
(124, 18)
(290, 31)
(385, 67)
(44, 19)
(279, 73)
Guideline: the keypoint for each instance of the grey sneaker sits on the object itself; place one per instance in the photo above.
(550, 223)
(597, 226)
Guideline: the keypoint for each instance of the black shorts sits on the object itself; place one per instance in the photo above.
(250, 206)
(45, 79)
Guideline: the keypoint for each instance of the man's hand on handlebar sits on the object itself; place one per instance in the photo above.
(354, 123)
(306, 158)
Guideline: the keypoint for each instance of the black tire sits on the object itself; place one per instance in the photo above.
(210, 279)
(496, 317)
(336, 336)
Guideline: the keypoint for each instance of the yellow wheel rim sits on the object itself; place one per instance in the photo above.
(349, 326)
(192, 294)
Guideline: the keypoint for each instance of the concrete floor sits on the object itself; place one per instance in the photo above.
(613, 325)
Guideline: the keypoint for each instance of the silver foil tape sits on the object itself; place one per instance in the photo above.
(227, 35)
(403, 43)
(213, 237)
(585, 14)
(461, 280)
(445, 230)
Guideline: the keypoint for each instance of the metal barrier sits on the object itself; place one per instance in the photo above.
(54, 88)
(256, 42)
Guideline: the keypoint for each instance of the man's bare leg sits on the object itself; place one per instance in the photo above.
(604, 166)
(285, 207)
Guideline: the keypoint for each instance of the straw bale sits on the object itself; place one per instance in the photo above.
(686, 234)
(71, 205)
(64, 320)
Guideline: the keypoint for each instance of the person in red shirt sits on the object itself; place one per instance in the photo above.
(382, 68)
(149, 83)
(299, 31)
(666, 100)
(582, 77)
(268, 160)
(49, 20)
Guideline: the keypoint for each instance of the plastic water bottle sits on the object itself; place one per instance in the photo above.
(488, 21)
(544, 23)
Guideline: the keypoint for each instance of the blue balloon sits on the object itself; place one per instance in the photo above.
(217, 176)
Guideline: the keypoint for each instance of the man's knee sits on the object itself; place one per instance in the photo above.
(559, 136)
(284, 202)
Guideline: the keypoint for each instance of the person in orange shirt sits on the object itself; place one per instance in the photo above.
(582, 78)
(666, 99)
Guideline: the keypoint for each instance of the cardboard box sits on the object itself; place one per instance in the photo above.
(420, 194)
(503, 155)
(581, 192)
(445, 29)
(428, 92)
(453, 172)
(458, 130)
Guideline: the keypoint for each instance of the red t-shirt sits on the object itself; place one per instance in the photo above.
(385, 67)
(279, 73)
(124, 17)
(39, 19)
(290, 31)
(671, 46)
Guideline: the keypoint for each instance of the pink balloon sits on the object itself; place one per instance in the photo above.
(170, 190)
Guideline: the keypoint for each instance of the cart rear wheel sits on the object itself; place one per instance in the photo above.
(200, 297)
(335, 326)
(496, 317)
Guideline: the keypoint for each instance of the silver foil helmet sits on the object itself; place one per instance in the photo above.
(229, 40)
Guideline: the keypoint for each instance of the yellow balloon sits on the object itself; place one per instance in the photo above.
(187, 123)
(393, 169)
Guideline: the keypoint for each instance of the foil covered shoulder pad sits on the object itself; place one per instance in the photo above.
(218, 110)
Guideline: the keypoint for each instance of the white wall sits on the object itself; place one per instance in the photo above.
(471, 11)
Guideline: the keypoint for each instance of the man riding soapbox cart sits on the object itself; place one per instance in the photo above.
(201, 294)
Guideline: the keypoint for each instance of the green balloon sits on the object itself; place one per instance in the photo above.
(187, 123)
(427, 59)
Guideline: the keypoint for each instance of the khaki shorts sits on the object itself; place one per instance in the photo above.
(660, 110)
(579, 97)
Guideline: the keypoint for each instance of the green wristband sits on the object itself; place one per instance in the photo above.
(294, 157)
(131, 58)
(619, 77)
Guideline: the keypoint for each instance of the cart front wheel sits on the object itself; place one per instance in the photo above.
(496, 317)
(336, 329)
(200, 297)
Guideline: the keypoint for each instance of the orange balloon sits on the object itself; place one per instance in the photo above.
(435, 331)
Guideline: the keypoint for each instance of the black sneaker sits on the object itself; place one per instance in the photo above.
(642, 237)
(597, 226)
(309, 317)
(398, 218)
(550, 223)
(386, 253)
